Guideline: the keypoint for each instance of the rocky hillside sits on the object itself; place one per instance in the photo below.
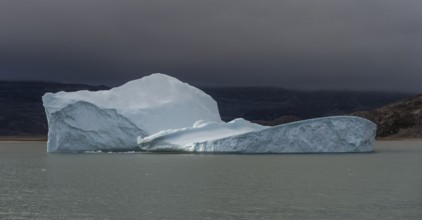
(21, 110)
(401, 119)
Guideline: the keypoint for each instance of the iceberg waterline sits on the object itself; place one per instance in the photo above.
(160, 113)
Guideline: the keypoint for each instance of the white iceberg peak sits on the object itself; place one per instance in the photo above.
(147, 105)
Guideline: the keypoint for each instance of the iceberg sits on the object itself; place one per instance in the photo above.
(336, 134)
(111, 120)
(160, 113)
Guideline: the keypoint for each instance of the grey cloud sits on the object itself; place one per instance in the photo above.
(297, 44)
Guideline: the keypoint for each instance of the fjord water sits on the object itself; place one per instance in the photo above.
(386, 184)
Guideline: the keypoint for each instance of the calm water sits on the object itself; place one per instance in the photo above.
(386, 184)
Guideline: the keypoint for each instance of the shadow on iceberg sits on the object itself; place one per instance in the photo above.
(81, 126)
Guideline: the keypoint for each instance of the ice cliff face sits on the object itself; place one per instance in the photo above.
(330, 134)
(112, 119)
(83, 126)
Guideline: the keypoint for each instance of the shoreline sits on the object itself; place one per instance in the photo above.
(23, 138)
(399, 139)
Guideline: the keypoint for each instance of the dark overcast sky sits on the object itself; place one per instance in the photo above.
(319, 44)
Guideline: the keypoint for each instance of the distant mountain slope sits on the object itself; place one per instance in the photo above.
(401, 119)
(21, 110)
(22, 113)
(271, 103)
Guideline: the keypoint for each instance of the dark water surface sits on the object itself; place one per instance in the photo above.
(386, 184)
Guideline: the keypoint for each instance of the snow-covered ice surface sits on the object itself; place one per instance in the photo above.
(321, 135)
(183, 139)
(112, 119)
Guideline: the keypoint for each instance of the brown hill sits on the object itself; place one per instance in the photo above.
(401, 119)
